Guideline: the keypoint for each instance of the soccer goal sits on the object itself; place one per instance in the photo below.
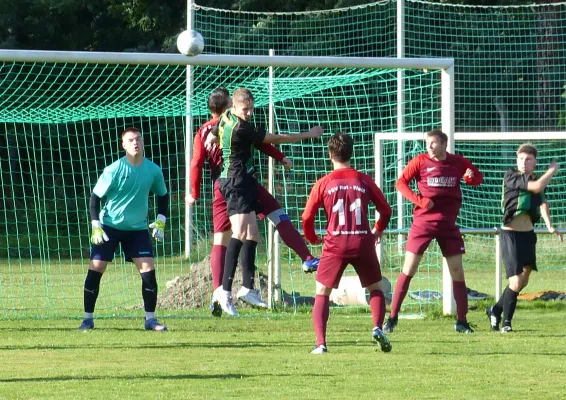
(62, 113)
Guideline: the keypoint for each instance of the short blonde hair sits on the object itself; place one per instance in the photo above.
(243, 95)
(528, 148)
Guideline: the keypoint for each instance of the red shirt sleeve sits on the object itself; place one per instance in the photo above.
(270, 150)
(410, 172)
(478, 176)
(313, 204)
(381, 205)
(197, 164)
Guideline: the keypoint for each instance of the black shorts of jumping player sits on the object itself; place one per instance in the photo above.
(240, 194)
(518, 250)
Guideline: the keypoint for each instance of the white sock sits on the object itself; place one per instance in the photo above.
(89, 315)
(149, 315)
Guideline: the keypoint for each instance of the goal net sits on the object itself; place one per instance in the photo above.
(62, 119)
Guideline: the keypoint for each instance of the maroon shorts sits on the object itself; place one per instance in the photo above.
(220, 219)
(447, 236)
(331, 267)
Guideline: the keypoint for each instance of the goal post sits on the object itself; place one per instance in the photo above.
(62, 113)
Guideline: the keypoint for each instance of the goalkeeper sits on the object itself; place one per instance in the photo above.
(126, 184)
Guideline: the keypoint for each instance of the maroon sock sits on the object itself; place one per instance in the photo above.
(401, 289)
(217, 259)
(320, 313)
(377, 307)
(461, 298)
(292, 238)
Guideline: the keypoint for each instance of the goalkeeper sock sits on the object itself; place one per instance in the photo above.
(509, 305)
(230, 263)
(320, 314)
(293, 239)
(248, 263)
(461, 298)
(377, 307)
(91, 288)
(401, 289)
(149, 291)
(217, 260)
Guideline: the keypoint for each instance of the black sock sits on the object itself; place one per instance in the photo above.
(149, 290)
(248, 263)
(230, 263)
(92, 285)
(498, 307)
(509, 306)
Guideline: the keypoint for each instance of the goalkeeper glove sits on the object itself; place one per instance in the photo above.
(158, 228)
(98, 236)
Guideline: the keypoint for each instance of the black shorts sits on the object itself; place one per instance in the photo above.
(240, 194)
(518, 250)
(135, 244)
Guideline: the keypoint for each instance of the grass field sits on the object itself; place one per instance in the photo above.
(263, 355)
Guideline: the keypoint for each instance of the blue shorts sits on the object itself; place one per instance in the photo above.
(135, 244)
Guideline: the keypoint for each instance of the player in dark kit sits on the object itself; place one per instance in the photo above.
(345, 195)
(437, 205)
(218, 102)
(236, 138)
(523, 204)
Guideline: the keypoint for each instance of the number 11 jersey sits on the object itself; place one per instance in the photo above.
(345, 195)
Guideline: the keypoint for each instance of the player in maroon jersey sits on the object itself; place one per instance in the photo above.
(345, 195)
(219, 101)
(437, 205)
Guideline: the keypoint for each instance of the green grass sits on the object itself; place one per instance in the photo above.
(267, 356)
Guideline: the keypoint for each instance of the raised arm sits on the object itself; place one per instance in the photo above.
(286, 138)
(410, 172)
(541, 183)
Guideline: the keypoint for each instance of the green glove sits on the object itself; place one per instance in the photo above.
(98, 236)
(158, 228)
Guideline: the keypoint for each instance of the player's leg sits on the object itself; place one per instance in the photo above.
(138, 249)
(100, 256)
(222, 233)
(271, 209)
(369, 271)
(328, 276)
(418, 241)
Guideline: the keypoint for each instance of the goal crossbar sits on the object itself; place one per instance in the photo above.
(222, 60)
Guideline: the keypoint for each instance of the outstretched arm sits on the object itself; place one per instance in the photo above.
(315, 132)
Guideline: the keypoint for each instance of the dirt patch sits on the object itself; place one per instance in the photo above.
(195, 290)
(544, 295)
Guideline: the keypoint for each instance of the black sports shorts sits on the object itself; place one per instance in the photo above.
(240, 194)
(518, 250)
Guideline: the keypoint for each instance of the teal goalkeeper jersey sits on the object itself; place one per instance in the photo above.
(127, 189)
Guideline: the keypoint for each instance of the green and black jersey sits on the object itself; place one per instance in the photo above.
(236, 138)
(517, 199)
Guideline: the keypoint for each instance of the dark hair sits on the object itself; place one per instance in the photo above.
(131, 129)
(218, 100)
(439, 134)
(243, 95)
(528, 148)
(341, 147)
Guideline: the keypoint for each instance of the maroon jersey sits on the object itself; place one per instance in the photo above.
(439, 181)
(213, 154)
(345, 195)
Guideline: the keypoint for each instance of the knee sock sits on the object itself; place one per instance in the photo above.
(320, 314)
(498, 307)
(292, 238)
(149, 293)
(509, 305)
(377, 307)
(230, 263)
(461, 297)
(91, 288)
(248, 263)
(401, 289)
(217, 260)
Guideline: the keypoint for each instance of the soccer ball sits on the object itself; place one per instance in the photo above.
(190, 43)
